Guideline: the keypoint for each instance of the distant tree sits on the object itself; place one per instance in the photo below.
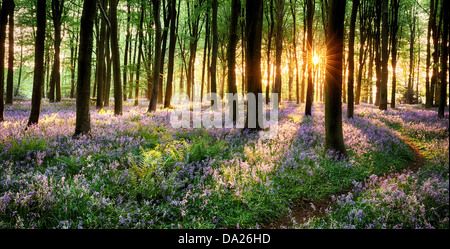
(83, 119)
(334, 138)
(38, 79)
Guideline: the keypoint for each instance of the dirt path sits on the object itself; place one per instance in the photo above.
(304, 209)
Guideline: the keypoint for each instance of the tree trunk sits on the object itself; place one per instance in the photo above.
(428, 102)
(279, 47)
(157, 61)
(83, 119)
(270, 20)
(254, 23)
(231, 52)
(215, 48)
(38, 79)
(10, 77)
(126, 53)
(351, 61)
(385, 56)
(334, 138)
(101, 69)
(444, 49)
(294, 44)
(3, 22)
(377, 51)
(409, 89)
(118, 97)
(309, 90)
(55, 81)
(172, 41)
(395, 7)
(139, 55)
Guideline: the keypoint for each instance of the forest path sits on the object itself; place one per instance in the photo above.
(303, 209)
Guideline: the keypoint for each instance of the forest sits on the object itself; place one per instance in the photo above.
(154, 114)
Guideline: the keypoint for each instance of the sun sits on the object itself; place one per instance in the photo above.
(315, 59)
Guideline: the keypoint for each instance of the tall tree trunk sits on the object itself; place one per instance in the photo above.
(107, 85)
(294, 44)
(3, 22)
(205, 52)
(428, 92)
(409, 89)
(101, 69)
(435, 35)
(10, 77)
(165, 33)
(394, 27)
(231, 52)
(118, 97)
(334, 138)
(279, 47)
(83, 119)
(38, 79)
(16, 93)
(126, 53)
(139, 55)
(351, 61)
(270, 19)
(378, 50)
(304, 56)
(55, 81)
(172, 41)
(309, 90)
(157, 61)
(215, 48)
(254, 23)
(385, 56)
(444, 57)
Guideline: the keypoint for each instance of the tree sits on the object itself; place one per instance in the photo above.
(334, 138)
(83, 119)
(385, 56)
(3, 22)
(279, 47)
(351, 62)
(116, 60)
(101, 69)
(215, 49)
(38, 79)
(309, 89)
(10, 77)
(172, 41)
(444, 48)
(394, 40)
(231, 51)
(254, 23)
(157, 61)
(294, 45)
(55, 81)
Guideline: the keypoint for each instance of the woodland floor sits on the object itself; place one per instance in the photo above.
(136, 171)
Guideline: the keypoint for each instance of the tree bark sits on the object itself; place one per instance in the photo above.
(215, 48)
(118, 97)
(55, 81)
(231, 52)
(395, 6)
(334, 138)
(351, 61)
(83, 119)
(3, 22)
(38, 79)
(157, 61)
(172, 42)
(385, 56)
(10, 77)
(279, 47)
(254, 23)
(310, 87)
(444, 49)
